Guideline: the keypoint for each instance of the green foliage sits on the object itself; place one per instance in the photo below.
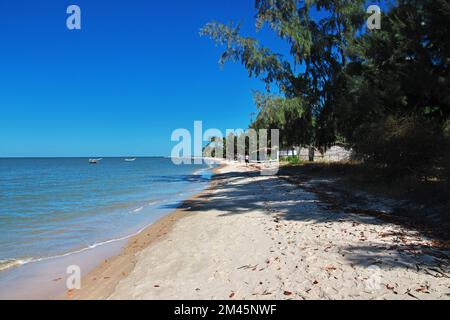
(291, 160)
(403, 145)
(290, 115)
(397, 103)
(319, 47)
(258, 60)
(385, 93)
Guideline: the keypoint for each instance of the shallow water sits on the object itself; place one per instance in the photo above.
(56, 207)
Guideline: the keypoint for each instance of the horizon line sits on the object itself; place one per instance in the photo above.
(77, 157)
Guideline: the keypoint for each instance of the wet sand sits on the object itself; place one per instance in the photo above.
(101, 282)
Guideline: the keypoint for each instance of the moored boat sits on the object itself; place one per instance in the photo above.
(94, 161)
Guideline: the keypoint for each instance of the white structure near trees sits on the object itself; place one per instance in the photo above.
(334, 154)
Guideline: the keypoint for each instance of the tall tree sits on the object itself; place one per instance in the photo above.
(384, 92)
(396, 104)
(318, 52)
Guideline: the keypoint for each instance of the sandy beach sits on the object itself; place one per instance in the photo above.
(254, 237)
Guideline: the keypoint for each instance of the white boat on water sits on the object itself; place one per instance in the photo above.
(130, 159)
(95, 161)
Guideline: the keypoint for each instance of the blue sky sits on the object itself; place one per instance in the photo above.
(136, 71)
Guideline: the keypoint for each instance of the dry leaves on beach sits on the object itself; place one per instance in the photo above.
(285, 245)
(330, 268)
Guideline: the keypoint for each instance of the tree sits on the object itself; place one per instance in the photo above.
(385, 93)
(397, 100)
(318, 51)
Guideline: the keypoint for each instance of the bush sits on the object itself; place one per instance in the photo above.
(291, 159)
(402, 145)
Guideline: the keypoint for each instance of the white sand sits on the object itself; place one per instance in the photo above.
(257, 237)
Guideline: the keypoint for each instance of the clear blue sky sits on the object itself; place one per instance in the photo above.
(135, 72)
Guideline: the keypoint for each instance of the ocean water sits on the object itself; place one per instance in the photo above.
(57, 207)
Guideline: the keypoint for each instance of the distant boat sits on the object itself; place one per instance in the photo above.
(95, 161)
(130, 159)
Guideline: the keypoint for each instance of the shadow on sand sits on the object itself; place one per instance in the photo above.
(237, 193)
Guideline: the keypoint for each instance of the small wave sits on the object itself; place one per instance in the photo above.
(200, 171)
(11, 263)
(136, 210)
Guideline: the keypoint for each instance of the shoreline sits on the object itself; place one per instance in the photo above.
(100, 282)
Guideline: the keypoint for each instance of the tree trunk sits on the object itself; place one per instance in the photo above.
(311, 154)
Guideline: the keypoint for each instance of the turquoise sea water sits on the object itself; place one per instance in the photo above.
(55, 207)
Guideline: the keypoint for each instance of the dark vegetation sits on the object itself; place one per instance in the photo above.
(383, 93)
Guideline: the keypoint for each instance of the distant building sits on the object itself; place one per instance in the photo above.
(334, 154)
(288, 153)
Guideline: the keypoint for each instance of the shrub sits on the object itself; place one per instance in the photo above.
(402, 145)
(291, 159)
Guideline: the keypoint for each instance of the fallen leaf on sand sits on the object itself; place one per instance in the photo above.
(330, 268)
(392, 288)
(389, 287)
(288, 293)
(69, 293)
(316, 282)
(157, 286)
(231, 295)
(408, 292)
(423, 289)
